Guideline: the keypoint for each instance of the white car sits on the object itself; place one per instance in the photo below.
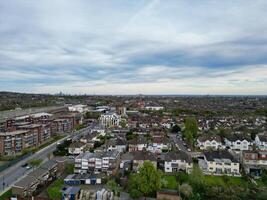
(28, 167)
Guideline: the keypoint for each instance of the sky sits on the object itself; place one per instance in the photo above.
(134, 46)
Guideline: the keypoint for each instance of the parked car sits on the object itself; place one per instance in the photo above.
(24, 165)
(28, 167)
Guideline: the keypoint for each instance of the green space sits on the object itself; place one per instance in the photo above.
(6, 195)
(54, 189)
(170, 182)
(215, 187)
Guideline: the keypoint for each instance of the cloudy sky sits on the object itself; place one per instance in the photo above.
(134, 46)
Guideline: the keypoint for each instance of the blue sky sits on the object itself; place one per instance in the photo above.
(132, 47)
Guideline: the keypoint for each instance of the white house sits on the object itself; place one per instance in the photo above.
(238, 142)
(137, 144)
(117, 144)
(209, 142)
(154, 108)
(219, 162)
(261, 141)
(78, 108)
(177, 161)
(76, 148)
(158, 144)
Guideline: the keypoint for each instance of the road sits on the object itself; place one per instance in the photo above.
(10, 175)
(179, 144)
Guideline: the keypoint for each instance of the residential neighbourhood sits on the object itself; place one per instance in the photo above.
(108, 151)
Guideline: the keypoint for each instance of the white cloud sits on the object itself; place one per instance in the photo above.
(134, 46)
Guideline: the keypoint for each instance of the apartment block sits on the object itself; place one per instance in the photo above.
(13, 142)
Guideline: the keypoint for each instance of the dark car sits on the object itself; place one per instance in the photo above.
(24, 165)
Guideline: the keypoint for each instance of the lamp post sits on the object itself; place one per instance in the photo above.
(4, 182)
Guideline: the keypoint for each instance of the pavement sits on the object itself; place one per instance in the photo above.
(14, 173)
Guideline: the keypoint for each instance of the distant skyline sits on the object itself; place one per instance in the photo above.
(134, 47)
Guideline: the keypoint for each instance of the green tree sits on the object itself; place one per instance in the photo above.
(197, 180)
(147, 181)
(35, 162)
(113, 186)
(123, 123)
(191, 129)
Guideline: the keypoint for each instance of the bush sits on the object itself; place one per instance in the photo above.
(54, 190)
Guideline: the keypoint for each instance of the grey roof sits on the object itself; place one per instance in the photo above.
(235, 137)
(71, 190)
(177, 155)
(210, 138)
(25, 182)
(59, 159)
(38, 173)
(77, 145)
(48, 164)
(144, 155)
(219, 155)
(263, 138)
(127, 156)
(113, 153)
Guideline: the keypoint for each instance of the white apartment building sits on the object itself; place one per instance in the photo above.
(110, 119)
(220, 162)
(97, 162)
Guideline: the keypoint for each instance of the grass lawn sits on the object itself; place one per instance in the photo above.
(6, 195)
(171, 182)
(54, 190)
(225, 180)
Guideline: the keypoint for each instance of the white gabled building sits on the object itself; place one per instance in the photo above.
(209, 142)
(238, 142)
(261, 141)
(110, 119)
(177, 161)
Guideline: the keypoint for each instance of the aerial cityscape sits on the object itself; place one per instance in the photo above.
(125, 100)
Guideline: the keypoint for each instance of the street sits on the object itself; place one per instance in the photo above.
(178, 143)
(16, 172)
